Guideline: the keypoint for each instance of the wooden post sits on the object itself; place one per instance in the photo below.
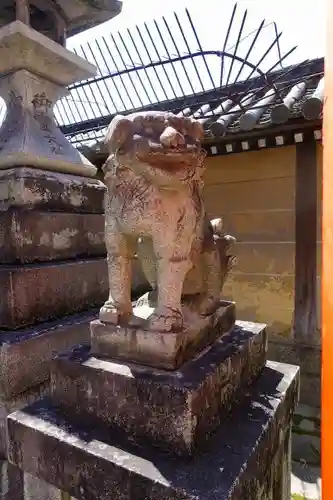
(305, 314)
(327, 270)
(23, 11)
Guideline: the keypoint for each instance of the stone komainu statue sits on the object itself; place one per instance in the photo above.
(154, 208)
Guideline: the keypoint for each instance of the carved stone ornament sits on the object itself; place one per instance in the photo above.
(154, 178)
(34, 73)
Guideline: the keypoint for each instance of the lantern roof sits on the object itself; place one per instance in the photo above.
(79, 15)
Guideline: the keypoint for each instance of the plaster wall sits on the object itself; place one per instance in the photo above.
(255, 194)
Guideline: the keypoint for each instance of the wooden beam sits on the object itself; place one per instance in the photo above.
(305, 312)
(23, 11)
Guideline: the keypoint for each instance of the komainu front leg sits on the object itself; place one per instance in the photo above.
(173, 263)
(118, 308)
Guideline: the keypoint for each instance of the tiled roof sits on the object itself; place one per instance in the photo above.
(293, 95)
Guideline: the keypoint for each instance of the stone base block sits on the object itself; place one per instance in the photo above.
(39, 292)
(17, 402)
(11, 482)
(28, 236)
(31, 188)
(25, 355)
(248, 457)
(162, 350)
(308, 357)
(35, 489)
(17, 485)
(176, 410)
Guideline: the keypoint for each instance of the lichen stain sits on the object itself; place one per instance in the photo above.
(63, 239)
(22, 237)
(45, 240)
(75, 196)
(34, 194)
(95, 238)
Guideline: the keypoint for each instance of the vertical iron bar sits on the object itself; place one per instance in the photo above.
(200, 47)
(160, 60)
(278, 44)
(189, 51)
(144, 68)
(154, 68)
(111, 78)
(178, 53)
(64, 109)
(97, 103)
(133, 64)
(70, 99)
(168, 54)
(265, 54)
(236, 46)
(226, 41)
(84, 90)
(129, 75)
(258, 31)
(105, 103)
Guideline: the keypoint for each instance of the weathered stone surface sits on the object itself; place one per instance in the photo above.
(306, 482)
(311, 389)
(38, 292)
(11, 482)
(25, 355)
(306, 448)
(74, 15)
(88, 463)
(308, 357)
(154, 179)
(22, 47)
(166, 350)
(32, 236)
(35, 489)
(35, 73)
(17, 485)
(82, 15)
(19, 401)
(175, 410)
(39, 189)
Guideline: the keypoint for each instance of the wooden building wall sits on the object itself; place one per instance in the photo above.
(255, 194)
(319, 227)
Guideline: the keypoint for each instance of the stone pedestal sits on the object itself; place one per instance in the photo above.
(166, 350)
(48, 268)
(216, 427)
(176, 410)
(53, 276)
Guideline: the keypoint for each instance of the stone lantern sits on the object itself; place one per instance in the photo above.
(35, 70)
(53, 271)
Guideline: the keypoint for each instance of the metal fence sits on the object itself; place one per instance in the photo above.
(164, 62)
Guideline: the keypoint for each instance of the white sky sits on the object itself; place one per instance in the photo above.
(302, 21)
